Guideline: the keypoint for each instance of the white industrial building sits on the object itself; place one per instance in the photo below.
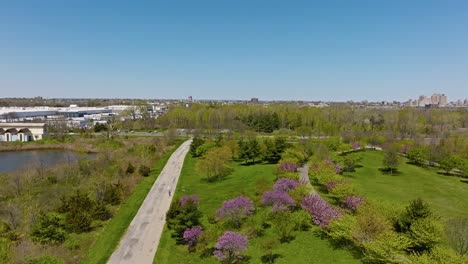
(22, 131)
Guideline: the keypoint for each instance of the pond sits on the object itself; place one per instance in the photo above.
(14, 160)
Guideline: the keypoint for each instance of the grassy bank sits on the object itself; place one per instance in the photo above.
(307, 247)
(109, 237)
(444, 193)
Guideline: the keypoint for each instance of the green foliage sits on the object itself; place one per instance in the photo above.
(302, 220)
(180, 217)
(262, 122)
(391, 159)
(249, 150)
(101, 212)
(49, 229)
(340, 230)
(418, 155)
(196, 142)
(144, 170)
(113, 193)
(420, 225)
(5, 245)
(350, 162)
(78, 209)
(283, 225)
(274, 149)
(44, 260)
(204, 148)
(449, 163)
(388, 247)
(438, 255)
(370, 224)
(215, 163)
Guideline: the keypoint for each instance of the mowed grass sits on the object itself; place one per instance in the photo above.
(307, 247)
(448, 195)
(108, 238)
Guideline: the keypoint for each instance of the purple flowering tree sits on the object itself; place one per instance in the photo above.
(322, 212)
(279, 200)
(352, 202)
(338, 169)
(191, 237)
(285, 184)
(355, 145)
(288, 166)
(330, 185)
(189, 198)
(230, 247)
(235, 210)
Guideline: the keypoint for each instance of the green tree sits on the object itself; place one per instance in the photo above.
(196, 142)
(180, 217)
(49, 229)
(457, 234)
(391, 159)
(215, 163)
(449, 163)
(418, 155)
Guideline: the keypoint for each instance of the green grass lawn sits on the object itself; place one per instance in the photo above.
(107, 239)
(448, 195)
(307, 247)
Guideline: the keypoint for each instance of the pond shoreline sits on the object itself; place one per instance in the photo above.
(61, 146)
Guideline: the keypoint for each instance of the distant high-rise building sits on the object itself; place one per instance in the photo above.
(423, 101)
(254, 101)
(466, 102)
(443, 100)
(459, 102)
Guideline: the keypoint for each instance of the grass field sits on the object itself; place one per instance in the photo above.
(307, 247)
(108, 238)
(446, 194)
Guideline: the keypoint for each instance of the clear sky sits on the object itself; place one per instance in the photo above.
(234, 49)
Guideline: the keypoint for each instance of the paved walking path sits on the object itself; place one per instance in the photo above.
(304, 178)
(141, 240)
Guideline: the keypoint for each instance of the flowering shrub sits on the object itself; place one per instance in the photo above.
(278, 199)
(338, 169)
(355, 145)
(331, 185)
(230, 247)
(235, 210)
(322, 212)
(191, 237)
(285, 184)
(288, 166)
(189, 198)
(352, 202)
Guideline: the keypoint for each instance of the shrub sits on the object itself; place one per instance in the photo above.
(235, 210)
(78, 209)
(301, 219)
(352, 202)
(340, 230)
(49, 229)
(189, 199)
(130, 168)
(182, 217)
(196, 142)
(283, 225)
(144, 171)
(279, 200)
(285, 185)
(322, 212)
(230, 247)
(287, 166)
(418, 155)
(191, 237)
(387, 248)
(370, 224)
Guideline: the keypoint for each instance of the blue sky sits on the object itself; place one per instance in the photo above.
(299, 50)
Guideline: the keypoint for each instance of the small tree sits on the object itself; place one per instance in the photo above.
(215, 163)
(230, 247)
(457, 234)
(130, 168)
(196, 142)
(279, 200)
(322, 212)
(182, 215)
(191, 236)
(144, 171)
(418, 155)
(49, 229)
(391, 159)
(235, 210)
(449, 163)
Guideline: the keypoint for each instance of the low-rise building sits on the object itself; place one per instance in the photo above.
(22, 131)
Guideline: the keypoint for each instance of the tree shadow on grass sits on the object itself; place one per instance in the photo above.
(270, 258)
(387, 171)
(464, 181)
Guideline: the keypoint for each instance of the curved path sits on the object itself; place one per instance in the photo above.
(141, 240)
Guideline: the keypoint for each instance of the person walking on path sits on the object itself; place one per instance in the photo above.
(169, 190)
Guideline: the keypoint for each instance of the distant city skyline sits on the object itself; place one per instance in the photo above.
(275, 50)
